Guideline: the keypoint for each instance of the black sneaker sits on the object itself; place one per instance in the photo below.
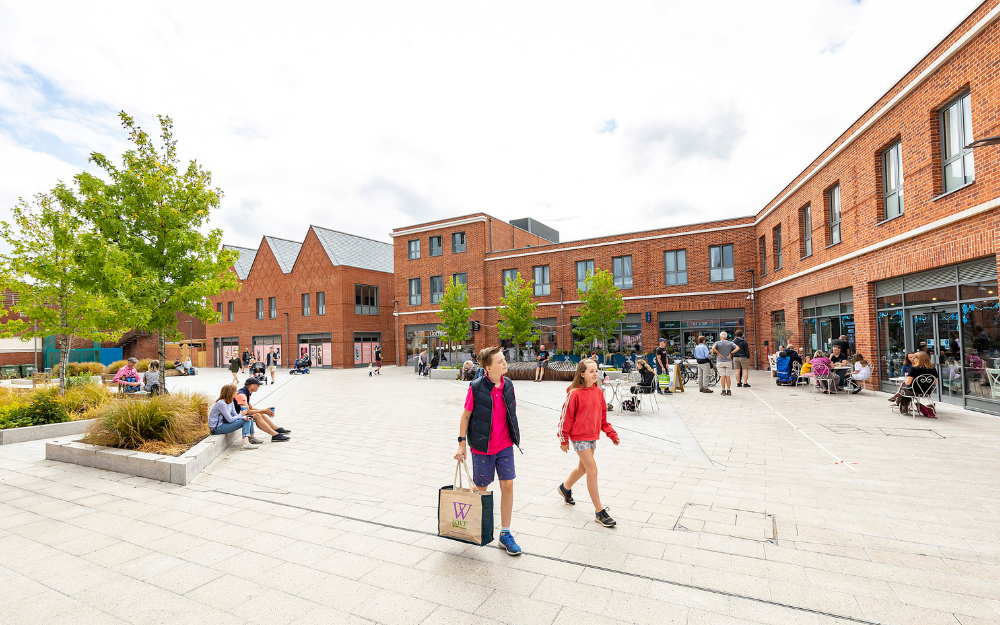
(279, 438)
(746, 385)
(567, 495)
(739, 385)
(604, 518)
(668, 392)
(283, 431)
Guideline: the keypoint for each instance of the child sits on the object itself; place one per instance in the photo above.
(371, 370)
(489, 421)
(862, 372)
(584, 416)
(806, 370)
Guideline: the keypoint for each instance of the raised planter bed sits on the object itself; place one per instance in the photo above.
(174, 469)
(444, 374)
(38, 432)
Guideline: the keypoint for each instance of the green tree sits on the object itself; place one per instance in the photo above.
(148, 244)
(517, 313)
(43, 271)
(602, 310)
(455, 314)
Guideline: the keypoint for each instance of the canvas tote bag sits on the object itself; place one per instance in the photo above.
(465, 513)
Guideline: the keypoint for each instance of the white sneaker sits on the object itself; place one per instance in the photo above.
(249, 446)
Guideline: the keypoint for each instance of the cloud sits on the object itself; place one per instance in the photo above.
(608, 126)
(714, 138)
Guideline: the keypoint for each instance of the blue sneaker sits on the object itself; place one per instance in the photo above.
(507, 542)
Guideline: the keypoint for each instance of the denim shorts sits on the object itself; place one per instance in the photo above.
(484, 466)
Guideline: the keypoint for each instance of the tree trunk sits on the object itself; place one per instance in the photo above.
(63, 361)
(161, 350)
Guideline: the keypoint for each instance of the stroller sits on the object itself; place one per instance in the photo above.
(259, 370)
(786, 377)
(301, 366)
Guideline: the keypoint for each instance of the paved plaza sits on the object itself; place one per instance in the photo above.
(775, 505)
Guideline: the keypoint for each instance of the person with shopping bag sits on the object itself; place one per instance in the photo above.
(489, 428)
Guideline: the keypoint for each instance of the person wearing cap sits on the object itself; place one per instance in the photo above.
(127, 377)
(662, 365)
(261, 416)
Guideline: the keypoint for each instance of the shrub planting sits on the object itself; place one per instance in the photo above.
(164, 424)
(80, 401)
(115, 366)
(81, 368)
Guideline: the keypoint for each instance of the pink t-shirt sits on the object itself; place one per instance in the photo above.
(499, 434)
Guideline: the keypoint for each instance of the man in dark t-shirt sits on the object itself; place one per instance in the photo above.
(542, 362)
(662, 365)
(845, 347)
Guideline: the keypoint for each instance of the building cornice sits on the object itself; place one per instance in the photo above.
(438, 226)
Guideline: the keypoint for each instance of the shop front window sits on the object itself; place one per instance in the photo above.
(981, 348)
(892, 343)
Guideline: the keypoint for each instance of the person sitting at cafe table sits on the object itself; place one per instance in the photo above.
(840, 361)
(648, 378)
(845, 347)
(862, 372)
(922, 365)
(821, 367)
(127, 377)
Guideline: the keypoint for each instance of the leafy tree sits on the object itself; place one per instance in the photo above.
(517, 313)
(602, 310)
(43, 270)
(148, 245)
(455, 313)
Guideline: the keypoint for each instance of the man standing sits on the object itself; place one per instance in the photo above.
(742, 360)
(662, 365)
(378, 359)
(543, 361)
(272, 363)
(725, 348)
(845, 347)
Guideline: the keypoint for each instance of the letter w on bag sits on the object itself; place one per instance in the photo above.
(461, 509)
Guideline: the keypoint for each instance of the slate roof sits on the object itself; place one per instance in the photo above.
(245, 260)
(353, 251)
(284, 251)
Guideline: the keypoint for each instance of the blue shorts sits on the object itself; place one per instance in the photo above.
(483, 467)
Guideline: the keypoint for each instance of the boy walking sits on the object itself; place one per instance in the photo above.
(489, 426)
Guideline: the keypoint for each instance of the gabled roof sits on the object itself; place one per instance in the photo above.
(285, 252)
(353, 251)
(245, 260)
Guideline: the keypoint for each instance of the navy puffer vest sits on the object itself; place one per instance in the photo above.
(481, 421)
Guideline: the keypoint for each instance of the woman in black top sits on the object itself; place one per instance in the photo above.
(646, 386)
(922, 365)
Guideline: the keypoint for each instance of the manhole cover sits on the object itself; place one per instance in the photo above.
(842, 428)
(910, 433)
(732, 522)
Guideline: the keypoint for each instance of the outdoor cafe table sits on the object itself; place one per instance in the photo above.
(617, 393)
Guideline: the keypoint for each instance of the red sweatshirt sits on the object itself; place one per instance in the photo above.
(585, 415)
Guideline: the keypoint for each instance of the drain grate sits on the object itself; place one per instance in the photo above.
(732, 522)
(910, 432)
(843, 428)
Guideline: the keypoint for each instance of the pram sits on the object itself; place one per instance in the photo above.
(259, 370)
(301, 366)
(786, 377)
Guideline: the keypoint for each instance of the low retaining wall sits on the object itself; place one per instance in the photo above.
(175, 469)
(38, 432)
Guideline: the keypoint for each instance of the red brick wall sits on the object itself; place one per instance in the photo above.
(313, 272)
(19, 358)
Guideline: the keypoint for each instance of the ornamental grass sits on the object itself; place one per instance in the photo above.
(164, 424)
(77, 368)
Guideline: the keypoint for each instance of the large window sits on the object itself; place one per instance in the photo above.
(833, 200)
(806, 222)
(232, 313)
(461, 278)
(676, 267)
(437, 289)
(260, 307)
(413, 249)
(721, 268)
(956, 133)
(436, 248)
(892, 182)
(365, 299)
(776, 241)
(509, 275)
(584, 268)
(272, 307)
(542, 280)
(763, 256)
(621, 267)
(321, 303)
(457, 242)
(414, 291)
(305, 304)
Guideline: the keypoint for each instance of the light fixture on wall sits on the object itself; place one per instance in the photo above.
(981, 143)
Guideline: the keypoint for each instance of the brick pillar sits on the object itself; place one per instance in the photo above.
(650, 333)
(865, 324)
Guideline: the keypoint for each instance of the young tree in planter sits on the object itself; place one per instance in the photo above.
(52, 296)
(148, 244)
(517, 313)
(602, 310)
(455, 314)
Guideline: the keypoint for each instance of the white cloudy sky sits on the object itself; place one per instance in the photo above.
(592, 117)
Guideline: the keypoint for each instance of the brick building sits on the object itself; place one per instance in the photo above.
(328, 296)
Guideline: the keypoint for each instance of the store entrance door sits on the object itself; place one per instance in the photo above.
(938, 330)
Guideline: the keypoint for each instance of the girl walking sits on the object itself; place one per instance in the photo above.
(585, 415)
